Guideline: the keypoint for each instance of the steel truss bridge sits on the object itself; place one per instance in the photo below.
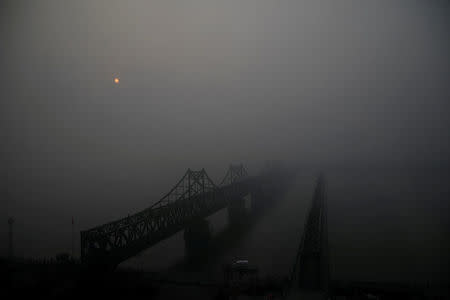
(193, 198)
(196, 196)
(310, 274)
(310, 277)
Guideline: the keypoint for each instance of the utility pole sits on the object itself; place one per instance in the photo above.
(72, 238)
(11, 248)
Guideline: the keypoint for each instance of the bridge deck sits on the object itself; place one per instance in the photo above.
(194, 196)
(310, 275)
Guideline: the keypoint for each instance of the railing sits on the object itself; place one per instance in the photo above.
(194, 195)
(314, 240)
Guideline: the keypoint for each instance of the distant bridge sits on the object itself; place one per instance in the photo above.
(186, 206)
(310, 275)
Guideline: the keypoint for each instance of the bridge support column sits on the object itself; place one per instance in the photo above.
(261, 200)
(196, 238)
(236, 211)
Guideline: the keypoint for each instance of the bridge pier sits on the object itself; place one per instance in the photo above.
(236, 211)
(191, 200)
(196, 238)
(258, 199)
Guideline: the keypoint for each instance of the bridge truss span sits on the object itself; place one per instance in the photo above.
(194, 196)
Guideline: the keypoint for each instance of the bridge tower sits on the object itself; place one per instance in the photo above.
(197, 233)
(236, 205)
(234, 174)
(184, 208)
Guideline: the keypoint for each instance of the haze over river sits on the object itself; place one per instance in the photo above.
(386, 225)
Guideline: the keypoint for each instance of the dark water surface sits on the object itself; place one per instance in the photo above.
(383, 225)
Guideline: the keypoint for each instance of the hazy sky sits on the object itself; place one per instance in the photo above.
(204, 83)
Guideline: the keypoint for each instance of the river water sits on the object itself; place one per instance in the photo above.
(383, 225)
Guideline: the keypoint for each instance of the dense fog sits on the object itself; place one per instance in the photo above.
(319, 85)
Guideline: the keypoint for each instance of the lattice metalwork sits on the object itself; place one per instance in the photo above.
(234, 174)
(311, 265)
(192, 184)
(313, 229)
(195, 195)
